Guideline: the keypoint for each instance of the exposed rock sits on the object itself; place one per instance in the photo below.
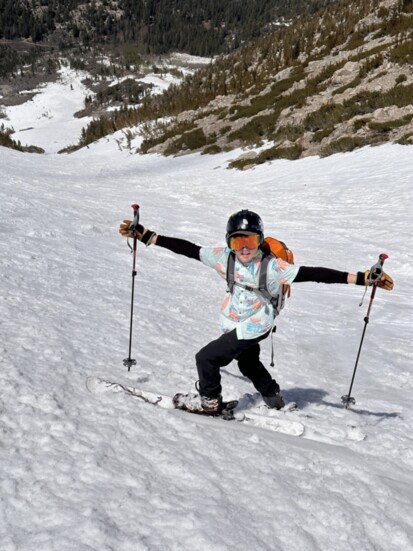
(249, 155)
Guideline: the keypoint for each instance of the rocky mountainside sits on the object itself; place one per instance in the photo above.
(339, 80)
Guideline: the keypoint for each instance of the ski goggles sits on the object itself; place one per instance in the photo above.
(238, 242)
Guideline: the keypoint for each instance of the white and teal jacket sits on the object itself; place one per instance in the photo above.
(245, 310)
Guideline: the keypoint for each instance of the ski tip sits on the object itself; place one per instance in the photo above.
(92, 384)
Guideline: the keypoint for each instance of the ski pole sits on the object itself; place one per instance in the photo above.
(128, 362)
(374, 277)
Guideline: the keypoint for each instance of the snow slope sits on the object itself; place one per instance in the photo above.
(47, 120)
(106, 472)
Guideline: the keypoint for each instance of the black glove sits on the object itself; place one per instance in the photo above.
(141, 233)
(384, 280)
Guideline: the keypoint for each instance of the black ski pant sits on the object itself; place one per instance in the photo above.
(221, 352)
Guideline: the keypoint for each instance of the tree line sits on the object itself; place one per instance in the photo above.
(198, 27)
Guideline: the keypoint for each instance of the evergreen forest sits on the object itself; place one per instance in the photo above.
(198, 27)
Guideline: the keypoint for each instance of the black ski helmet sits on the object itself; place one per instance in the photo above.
(245, 221)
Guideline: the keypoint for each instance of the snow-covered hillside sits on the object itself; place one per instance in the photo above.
(85, 472)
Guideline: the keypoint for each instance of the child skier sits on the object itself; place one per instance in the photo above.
(247, 316)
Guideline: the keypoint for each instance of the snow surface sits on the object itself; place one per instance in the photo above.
(83, 472)
(47, 119)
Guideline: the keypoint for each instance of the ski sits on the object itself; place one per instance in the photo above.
(96, 385)
(242, 411)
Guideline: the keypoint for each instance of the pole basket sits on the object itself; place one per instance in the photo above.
(129, 362)
(347, 401)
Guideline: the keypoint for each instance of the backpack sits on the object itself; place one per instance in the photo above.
(271, 247)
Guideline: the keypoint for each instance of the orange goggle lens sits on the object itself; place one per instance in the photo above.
(238, 242)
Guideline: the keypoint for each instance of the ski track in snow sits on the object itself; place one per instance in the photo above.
(109, 472)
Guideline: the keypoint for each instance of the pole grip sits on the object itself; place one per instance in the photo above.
(377, 269)
(135, 214)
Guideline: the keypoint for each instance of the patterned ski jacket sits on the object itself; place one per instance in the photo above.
(246, 311)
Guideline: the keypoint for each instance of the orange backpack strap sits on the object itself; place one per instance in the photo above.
(279, 249)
